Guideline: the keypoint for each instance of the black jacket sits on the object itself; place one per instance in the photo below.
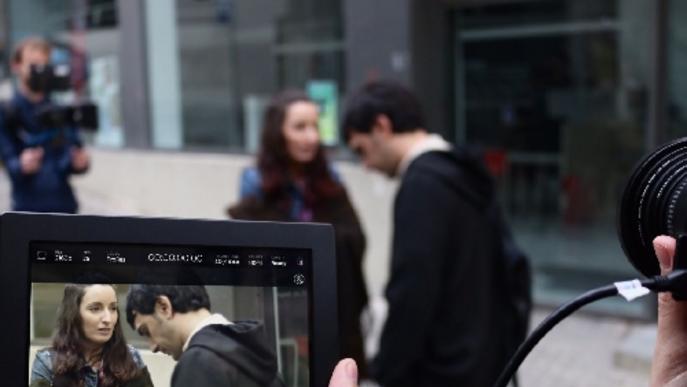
(227, 356)
(444, 325)
(350, 247)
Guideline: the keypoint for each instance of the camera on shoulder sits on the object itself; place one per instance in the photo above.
(49, 120)
(48, 78)
(57, 78)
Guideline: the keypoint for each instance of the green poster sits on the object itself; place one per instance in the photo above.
(326, 94)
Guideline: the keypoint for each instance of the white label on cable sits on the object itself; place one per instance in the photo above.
(631, 290)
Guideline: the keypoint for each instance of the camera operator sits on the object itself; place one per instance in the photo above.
(38, 159)
(669, 367)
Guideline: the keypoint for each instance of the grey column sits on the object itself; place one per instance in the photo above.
(164, 88)
(133, 74)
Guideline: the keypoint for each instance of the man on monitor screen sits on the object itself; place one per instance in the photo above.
(209, 349)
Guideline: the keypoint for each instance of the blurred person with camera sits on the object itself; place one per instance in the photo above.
(38, 159)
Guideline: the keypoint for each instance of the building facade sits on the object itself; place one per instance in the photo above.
(563, 97)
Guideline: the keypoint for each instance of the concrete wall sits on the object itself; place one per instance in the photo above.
(201, 185)
(406, 40)
(377, 41)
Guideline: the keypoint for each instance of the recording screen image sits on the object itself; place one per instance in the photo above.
(252, 303)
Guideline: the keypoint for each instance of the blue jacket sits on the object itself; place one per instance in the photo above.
(48, 190)
(42, 368)
(251, 186)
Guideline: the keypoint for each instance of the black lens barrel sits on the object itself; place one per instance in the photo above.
(654, 203)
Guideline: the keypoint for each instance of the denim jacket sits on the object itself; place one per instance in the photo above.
(42, 367)
(251, 185)
(47, 190)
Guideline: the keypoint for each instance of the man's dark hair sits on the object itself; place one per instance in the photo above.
(382, 97)
(141, 299)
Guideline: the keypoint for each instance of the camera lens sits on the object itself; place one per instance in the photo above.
(654, 203)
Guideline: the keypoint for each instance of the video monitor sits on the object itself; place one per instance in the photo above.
(279, 276)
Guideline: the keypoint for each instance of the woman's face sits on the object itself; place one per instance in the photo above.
(99, 314)
(301, 131)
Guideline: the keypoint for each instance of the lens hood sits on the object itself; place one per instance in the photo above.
(654, 203)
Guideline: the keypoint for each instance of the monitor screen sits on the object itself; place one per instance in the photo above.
(252, 275)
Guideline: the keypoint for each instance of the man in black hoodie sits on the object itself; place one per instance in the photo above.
(445, 323)
(210, 350)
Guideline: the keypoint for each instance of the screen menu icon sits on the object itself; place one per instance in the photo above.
(255, 259)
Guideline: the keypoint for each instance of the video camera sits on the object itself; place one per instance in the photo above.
(49, 78)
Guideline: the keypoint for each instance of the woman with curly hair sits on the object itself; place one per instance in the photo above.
(293, 181)
(89, 349)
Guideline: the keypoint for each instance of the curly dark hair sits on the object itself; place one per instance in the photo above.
(273, 158)
(118, 364)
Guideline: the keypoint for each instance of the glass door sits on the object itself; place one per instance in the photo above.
(555, 93)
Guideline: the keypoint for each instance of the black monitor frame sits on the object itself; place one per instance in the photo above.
(18, 230)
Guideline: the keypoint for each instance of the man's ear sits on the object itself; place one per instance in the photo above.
(163, 307)
(382, 126)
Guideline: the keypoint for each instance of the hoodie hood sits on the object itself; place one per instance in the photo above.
(242, 344)
(462, 171)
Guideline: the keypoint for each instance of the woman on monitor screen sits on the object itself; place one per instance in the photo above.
(293, 181)
(88, 348)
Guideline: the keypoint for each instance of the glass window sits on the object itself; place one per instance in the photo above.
(234, 55)
(556, 94)
(677, 62)
(533, 13)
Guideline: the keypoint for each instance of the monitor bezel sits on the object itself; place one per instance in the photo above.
(18, 230)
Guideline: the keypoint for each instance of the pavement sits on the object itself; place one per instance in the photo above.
(591, 351)
(583, 350)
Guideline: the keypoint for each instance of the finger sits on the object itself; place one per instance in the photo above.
(664, 247)
(345, 374)
(670, 351)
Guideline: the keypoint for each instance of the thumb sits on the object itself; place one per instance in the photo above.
(345, 374)
(670, 352)
(664, 247)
